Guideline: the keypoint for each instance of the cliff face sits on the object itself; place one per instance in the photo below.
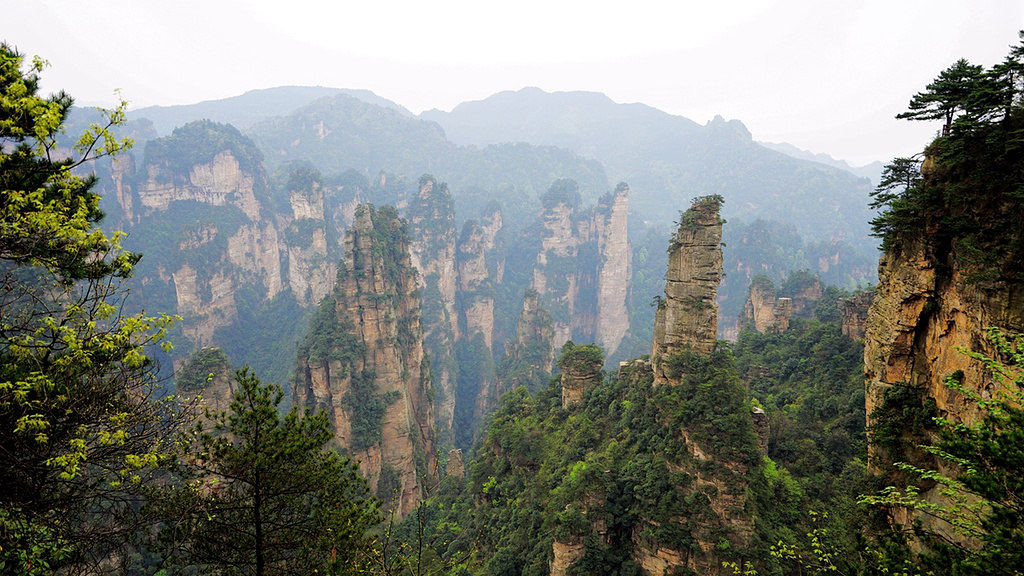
(362, 361)
(529, 358)
(475, 286)
(854, 311)
(917, 319)
(582, 271)
(432, 252)
(226, 242)
(616, 269)
(764, 310)
(685, 328)
(312, 259)
(688, 315)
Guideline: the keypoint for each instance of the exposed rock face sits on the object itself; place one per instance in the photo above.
(432, 227)
(855, 313)
(365, 348)
(616, 270)
(582, 271)
(688, 315)
(532, 350)
(763, 309)
(917, 319)
(762, 427)
(565, 554)
(581, 371)
(218, 182)
(534, 325)
(312, 262)
(456, 466)
(475, 283)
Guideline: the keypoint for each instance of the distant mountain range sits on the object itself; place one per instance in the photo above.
(249, 108)
(666, 159)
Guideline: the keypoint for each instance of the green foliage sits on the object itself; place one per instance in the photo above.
(963, 201)
(562, 191)
(200, 368)
(584, 358)
(367, 407)
(262, 494)
(265, 333)
(618, 461)
(901, 422)
(198, 143)
(49, 215)
(81, 425)
(980, 480)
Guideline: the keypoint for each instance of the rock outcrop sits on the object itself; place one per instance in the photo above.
(475, 285)
(764, 310)
(616, 268)
(687, 316)
(854, 312)
(363, 360)
(581, 371)
(529, 357)
(916, 322)
(432, 251)
(583, 268)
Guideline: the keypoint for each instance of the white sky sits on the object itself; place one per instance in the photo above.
(824, 75)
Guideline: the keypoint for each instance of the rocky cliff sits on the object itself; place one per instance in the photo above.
(854, 311)
(924, 308)
(363, 361)
(763, 309)
(432, 252)
(582, 270)
(475, 285)
(684, 334)
(687, 316)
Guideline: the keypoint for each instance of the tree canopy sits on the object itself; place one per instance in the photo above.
(81, 425)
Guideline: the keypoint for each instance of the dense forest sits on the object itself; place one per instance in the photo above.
(333, 340)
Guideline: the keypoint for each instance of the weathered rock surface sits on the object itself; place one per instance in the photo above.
(375, 312)
(854, 311)
(688, 315)
(915, 323)
(616, 269)
(475, 285)
(432, 252)
(586, 253)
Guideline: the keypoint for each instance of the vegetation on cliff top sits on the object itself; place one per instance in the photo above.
(965, 196)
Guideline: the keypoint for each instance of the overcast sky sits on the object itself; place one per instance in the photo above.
(824, 75)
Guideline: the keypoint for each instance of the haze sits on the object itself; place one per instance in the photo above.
(823, 76)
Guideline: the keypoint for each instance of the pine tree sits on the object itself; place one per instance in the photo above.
(264, 494)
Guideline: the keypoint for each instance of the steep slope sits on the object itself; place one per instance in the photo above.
(363, 361)
(953, 270)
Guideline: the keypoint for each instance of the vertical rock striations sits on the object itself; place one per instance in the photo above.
(616, 268)
(687, 317)
(432, 227)
(475, 285)
(582, 271)
(363, 360)
(924, 308)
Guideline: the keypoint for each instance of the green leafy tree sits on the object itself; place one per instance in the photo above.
(947, 95)
(264, 495)
(983, 508)
(81, 428)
